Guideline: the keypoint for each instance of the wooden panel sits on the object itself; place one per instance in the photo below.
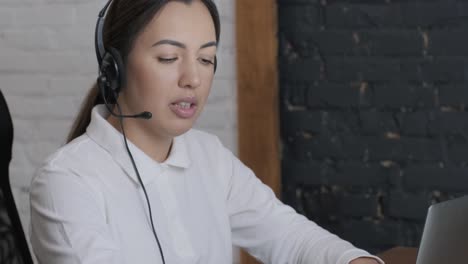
(257, 77)
(400, 255)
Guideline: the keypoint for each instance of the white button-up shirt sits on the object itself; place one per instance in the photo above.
(87, 206)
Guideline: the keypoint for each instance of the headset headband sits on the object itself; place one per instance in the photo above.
(99, 42)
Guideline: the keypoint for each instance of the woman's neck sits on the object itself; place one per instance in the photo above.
(157, 147)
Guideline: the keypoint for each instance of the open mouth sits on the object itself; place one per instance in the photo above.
(184, 109)
(184, 105)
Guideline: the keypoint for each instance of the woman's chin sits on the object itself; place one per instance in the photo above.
(180, 127)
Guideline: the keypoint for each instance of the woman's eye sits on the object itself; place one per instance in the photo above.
(166, 60)
(206, 61)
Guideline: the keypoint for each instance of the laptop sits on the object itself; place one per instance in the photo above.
(445, 234)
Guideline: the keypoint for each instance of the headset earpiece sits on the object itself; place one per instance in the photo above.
(112, 73)
(121, 77)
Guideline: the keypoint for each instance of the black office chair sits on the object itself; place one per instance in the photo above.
(13, 245)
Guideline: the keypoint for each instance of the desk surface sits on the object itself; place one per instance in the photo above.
(399, 255)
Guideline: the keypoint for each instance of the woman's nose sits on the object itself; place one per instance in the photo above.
(190, 77)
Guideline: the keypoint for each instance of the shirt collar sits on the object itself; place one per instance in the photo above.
(112, 141)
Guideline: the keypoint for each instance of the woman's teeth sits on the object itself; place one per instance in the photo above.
(184, 105)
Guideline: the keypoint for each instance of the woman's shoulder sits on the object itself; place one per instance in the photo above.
(70, 156)
(70, 169)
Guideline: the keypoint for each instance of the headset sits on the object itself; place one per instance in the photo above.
(111, 69)
(110, 80)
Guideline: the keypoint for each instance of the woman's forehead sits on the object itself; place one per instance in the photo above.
(184, 22)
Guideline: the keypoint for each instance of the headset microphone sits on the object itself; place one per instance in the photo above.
(142, 115)
(145, 115)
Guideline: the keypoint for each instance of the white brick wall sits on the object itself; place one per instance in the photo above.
(47, 64)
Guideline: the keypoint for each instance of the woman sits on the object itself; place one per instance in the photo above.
(168, 194)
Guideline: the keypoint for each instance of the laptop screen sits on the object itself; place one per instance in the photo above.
(445, 235)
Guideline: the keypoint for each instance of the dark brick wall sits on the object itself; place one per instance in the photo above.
(374, 122)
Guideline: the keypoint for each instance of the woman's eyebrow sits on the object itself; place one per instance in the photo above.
(209, 44)
(182, 45)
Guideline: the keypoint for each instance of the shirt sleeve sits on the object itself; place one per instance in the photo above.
(274, 232)
(68, 226)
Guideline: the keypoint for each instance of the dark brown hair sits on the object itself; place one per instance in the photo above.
(124, 21)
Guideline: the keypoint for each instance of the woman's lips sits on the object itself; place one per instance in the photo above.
(184, 108)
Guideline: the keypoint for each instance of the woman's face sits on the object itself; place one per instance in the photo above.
(170, 68)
